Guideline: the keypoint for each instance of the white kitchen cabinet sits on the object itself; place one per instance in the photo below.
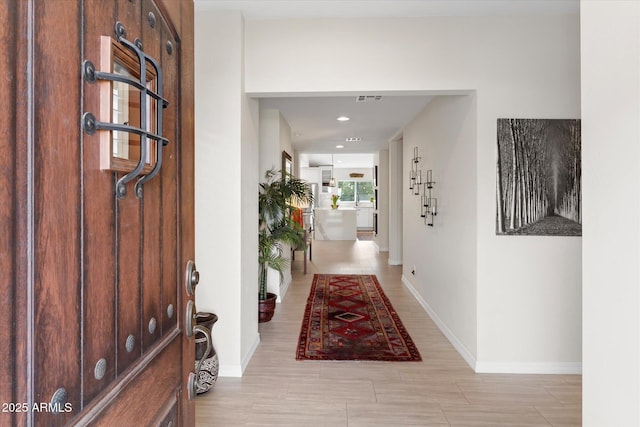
(335, 224)
(364, 217)
(326, 173)
(311, 175)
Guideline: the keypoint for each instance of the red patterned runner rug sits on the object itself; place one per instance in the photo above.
(348, 317)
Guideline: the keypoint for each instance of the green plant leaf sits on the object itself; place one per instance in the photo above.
(277, 197)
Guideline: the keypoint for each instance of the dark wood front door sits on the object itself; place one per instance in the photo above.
(93, 292)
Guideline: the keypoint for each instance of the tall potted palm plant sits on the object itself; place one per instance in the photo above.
(277, 196)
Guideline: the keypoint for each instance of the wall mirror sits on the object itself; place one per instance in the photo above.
(287, 163)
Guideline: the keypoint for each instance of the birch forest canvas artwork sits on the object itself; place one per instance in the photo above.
(538, 177)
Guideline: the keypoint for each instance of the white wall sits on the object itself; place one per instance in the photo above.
(610, 45)
(382, 237)
(226, 184)
(275, 137)
(341, 174)
(311, 175)
(396, 166)
(270, 155)
(249, 140)
(285, 141)
(529, 288)
(444, 255)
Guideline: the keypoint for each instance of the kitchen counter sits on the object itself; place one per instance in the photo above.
(335, 224)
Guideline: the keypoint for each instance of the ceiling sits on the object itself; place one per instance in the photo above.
(337, 160)
(292, 9)
(315, 130)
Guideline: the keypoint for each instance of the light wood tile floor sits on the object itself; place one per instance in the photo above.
(442, 390)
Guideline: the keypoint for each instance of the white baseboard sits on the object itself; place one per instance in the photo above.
(378, 248)
(564, 368)
(236, 371)
(457, 344)
(394, 262)
(247, 357)
(275, 286)
(284, 287)
(233, 371)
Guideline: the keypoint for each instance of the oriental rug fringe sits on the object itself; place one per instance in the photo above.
(348, 317)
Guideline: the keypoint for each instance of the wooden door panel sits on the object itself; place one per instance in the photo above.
(15, 213)
(143, 393)
(170, 417)
(186, 195)
(128, 231)
(151, 208)
(151, 250)
(175, 11)
(147, 263)
(56, 163)
(99, 201)
(130, 14)
(171, 273)
(85, 269)
(129, 329)
(8, 154)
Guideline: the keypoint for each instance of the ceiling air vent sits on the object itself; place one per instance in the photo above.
(368, 98)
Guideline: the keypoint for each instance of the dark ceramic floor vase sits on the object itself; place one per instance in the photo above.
(209, 367)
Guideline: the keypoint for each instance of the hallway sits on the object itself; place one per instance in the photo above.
(277, 390)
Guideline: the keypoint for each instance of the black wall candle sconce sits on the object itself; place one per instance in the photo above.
(428, 205)
(415, 175)
(432, 210)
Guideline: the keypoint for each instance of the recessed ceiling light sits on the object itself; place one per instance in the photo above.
(353, 139)
(339, 146)
(343, 118)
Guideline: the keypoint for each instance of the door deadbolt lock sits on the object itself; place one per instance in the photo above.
(190, 318)
(192, 277)
(191, 386)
